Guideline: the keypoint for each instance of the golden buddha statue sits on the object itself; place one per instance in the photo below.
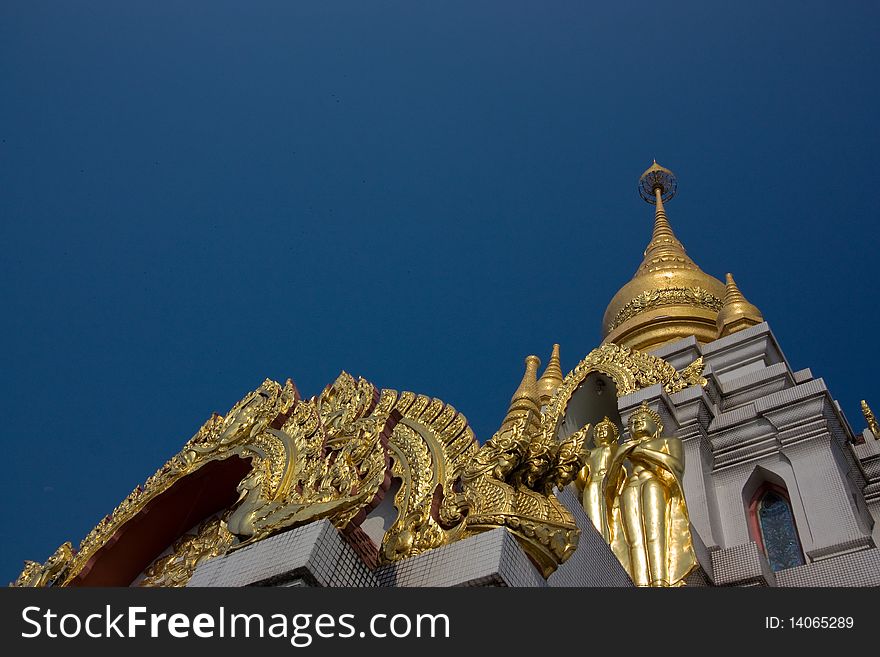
(648, 522)
(591, 479)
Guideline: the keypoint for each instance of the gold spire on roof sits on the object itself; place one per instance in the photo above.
(870, 419)
(669, 297)
(551, 379)
(737, 313)
(526, 398)
(664, 251)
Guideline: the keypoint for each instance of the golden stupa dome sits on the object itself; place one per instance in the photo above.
(669, 297)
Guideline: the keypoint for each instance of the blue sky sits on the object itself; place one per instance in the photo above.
(195, 196)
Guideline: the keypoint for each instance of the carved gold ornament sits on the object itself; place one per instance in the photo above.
(430, 446)
(329, 460)
(631, 370)
(510, 484)
(175, 569)
(670, 296)
(334, 456)
(37, 575)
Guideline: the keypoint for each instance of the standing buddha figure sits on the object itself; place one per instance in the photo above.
(591, 479)
(648, 520)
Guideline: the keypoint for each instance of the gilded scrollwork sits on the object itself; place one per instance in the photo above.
(176, 568)
(430, 446)
(323, 457)
(670, 296)
(219, 438)
(335, 463)
(37, 575)
(631, 370)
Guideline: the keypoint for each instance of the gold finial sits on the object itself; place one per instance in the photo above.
(732, 293)
(664, 251)
(871, 420)
(737, 313)
(551, 379)
(526, 398)
(657, 178)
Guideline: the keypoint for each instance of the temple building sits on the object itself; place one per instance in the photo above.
(683, 451)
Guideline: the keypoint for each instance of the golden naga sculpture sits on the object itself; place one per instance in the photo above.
(510, 481)
(332, 463)
(430, 446)
(644, 518)
(510, 484)
(333, 456)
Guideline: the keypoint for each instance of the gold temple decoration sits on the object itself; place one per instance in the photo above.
(669, 297)
(333, 456)
(430, 446)
(53, 571)
(591, 479)
(647, 520)
(175, 569)
(871, 420)
(737, 313)
(333, 462)
(631, 370)
(510, 482)
(218, 439)
(325, 457)
(526, 401)
(551, 379)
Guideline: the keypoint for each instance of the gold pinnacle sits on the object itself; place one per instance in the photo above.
(737, 313)
(870, 419)
(526, 398)
(664, 251)
(551, 379)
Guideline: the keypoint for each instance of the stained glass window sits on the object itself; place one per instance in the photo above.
(779, 532)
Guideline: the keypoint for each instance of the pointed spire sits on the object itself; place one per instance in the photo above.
(551, 379)
(664, 251)
(526, 397)
(732, 293)
(870, 419)
(737, 313)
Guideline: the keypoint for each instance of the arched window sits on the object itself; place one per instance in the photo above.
(771, 520)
